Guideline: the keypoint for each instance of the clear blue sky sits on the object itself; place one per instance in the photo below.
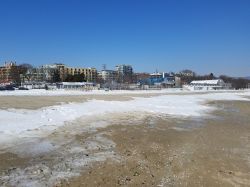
(168, 35)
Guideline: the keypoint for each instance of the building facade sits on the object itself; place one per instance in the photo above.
(187, 73)
(124, 73)
(90, 74)
(9, 73)
(58, 73)
(108, 75)
(215, 84)
(76, 85)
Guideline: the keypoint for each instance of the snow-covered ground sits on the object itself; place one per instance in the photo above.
(24, 132)
(61, 92)
(22, 123)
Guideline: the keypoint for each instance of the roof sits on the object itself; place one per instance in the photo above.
(76, 83)
(152, 74)
(215, 81)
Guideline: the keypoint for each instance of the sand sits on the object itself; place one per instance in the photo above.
(152, 151)
(213, 152)
(36, 102)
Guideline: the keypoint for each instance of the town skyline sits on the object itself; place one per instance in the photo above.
(106, 67)
(205, 37)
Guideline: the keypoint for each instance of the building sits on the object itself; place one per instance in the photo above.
(156, 78)
(33, 75)
(90, 74)
(162, 80)
(76, 85)
(108, 75)
(9, 73)
(60, 72)
(49, 72)
(124, 73)
(141, 76)
(216, 84)
(177, 82)
(169, 82)
(157, 75)
(57, 73)
(187, 73)
(33, 85)
(45, 73)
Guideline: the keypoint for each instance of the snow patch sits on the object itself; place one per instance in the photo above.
(31, 123)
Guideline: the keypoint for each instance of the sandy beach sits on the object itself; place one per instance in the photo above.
(207, 152)
(156, 139)
(36, 102)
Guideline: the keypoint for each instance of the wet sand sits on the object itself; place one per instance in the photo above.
(153, 151)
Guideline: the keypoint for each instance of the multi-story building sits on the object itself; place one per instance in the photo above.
(125, 73)
(156, 75)
(44, 73)
(58, 73)
(108, 75)
(187, 73)
(90, 74)
(165, 80)
(9, 73)
(141, 76)
(49, 71)
(33, 75)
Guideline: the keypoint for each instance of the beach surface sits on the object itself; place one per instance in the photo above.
(130, 138)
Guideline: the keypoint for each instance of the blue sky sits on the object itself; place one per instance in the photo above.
(168, 35)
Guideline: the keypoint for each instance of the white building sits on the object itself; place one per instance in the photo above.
(108, 75)
(217, 84)
(76, 85)
(157, 75)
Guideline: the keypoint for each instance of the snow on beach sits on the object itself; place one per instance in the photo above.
(61, 92)
(24, 132)
(20, 122)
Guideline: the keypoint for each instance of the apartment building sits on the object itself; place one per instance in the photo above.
(58, 73)
(125, 73)
(9, 73)
(108, 75)
(90, 74)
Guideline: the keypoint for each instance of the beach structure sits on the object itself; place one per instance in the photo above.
(33, 85)
(216, 84)
(76, 85)
(161, 80)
